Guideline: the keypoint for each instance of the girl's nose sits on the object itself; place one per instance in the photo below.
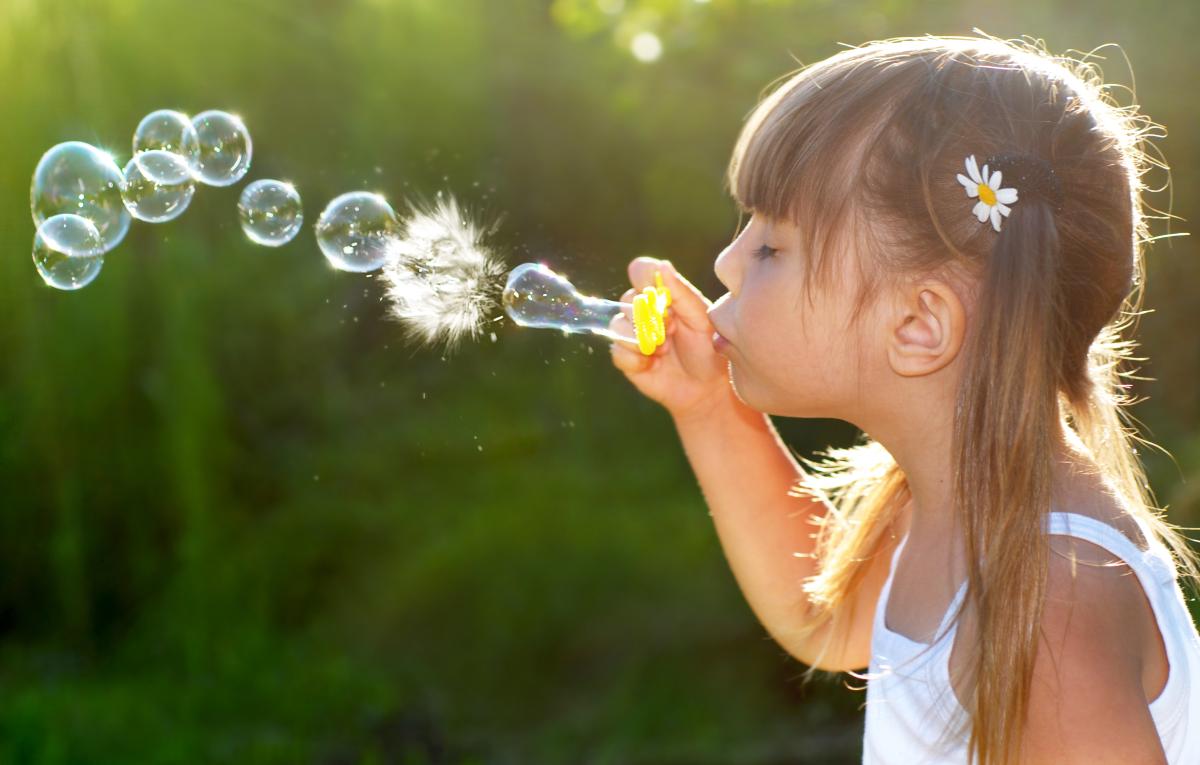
(726, 268)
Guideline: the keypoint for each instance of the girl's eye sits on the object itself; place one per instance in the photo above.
(764, 252)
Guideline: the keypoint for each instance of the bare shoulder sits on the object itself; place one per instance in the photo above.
(1084, 491)
(1087, 702)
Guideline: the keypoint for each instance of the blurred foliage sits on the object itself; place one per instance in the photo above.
(242, 521)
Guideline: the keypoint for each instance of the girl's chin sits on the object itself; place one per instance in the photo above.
(754, 397)
(743, 387)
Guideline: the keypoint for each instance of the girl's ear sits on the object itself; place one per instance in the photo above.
(925, 329)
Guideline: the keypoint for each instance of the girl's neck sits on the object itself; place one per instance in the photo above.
(926, 458)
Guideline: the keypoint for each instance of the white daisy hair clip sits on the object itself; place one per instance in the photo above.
(1033, 176)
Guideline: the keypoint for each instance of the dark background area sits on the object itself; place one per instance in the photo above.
(241, 520)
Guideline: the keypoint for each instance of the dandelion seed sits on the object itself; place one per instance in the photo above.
(442, 282)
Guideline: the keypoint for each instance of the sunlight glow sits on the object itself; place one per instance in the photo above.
(646, 47)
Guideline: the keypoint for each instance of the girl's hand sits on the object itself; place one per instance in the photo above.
(685, 374)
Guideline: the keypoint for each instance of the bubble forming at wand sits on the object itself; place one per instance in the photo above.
(535, 296)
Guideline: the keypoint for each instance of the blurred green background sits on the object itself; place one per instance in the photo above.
(241, 520)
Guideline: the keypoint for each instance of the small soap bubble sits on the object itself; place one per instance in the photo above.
(163, 167)
(152, 200)
(357, 231)
(78, 178)
(225, 148)
(67, 250)
(271, 212)
(167, 130)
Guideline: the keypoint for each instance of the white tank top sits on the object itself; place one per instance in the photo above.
(910, 703)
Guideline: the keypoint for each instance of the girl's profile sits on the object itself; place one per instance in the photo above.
(944, 247)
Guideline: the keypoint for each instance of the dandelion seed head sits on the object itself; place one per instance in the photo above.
(440, 278)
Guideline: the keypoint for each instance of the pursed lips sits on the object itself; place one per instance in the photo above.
(720, 340)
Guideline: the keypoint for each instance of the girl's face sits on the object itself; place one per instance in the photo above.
(786, 356)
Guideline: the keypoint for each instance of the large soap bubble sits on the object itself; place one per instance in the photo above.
(67, 251)
(225, 148)
(271, 212)
(78, 178)
(158, 186)
(166, 130)
(357, 231)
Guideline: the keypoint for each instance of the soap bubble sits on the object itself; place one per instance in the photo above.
(225, 148)
(157, 201)
(271, 212)
(67, 251)
(78, 178)
(166, 130)
(535, 296)
(357, 231)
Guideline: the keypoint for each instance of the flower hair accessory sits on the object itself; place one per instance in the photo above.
(1033, 176)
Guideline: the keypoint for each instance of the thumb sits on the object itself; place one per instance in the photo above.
(687, 302)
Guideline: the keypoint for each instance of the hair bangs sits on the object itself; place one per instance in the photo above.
(796, 161)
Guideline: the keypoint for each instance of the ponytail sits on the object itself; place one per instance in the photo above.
(1003, 448)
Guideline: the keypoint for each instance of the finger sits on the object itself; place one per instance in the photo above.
(627, 299)
(641, 272)
(686, 299)
(621, 330)
(665, 348)
(621, 325)
(629, 360)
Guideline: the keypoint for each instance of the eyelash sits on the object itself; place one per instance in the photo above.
(764, 252)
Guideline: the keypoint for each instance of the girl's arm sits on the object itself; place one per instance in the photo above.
(745, 473)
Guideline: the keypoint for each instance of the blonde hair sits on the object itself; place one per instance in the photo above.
(878, 133)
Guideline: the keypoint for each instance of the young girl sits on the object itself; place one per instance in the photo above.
(944, 249)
